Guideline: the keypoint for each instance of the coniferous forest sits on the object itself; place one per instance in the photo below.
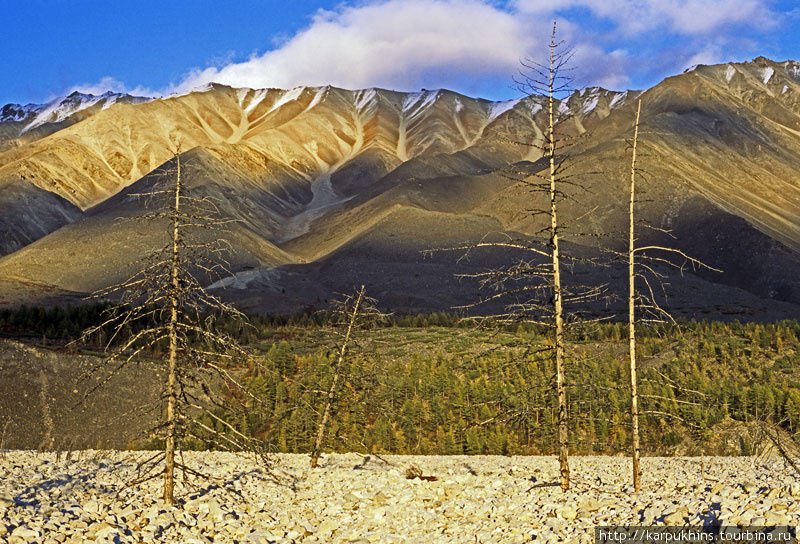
(435, 384)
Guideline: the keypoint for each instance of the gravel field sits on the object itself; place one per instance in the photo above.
(350, 498)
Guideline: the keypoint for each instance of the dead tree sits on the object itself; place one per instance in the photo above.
(787, 447)
(643, 270)
(533, 289)
(558, 309)
(337, 371)
(165, 303)
(551, 80)
(352, 308)
(631, 314)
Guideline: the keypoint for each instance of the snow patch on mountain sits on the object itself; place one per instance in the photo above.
(288, 96)
(200, 89)
(59, 109)
(364, 98)
(321, 93)
(258, 97)
(241, 94)
(416, 103)
(766, 74)
(730, 71)
(590, 104)
(16, 112)
(496, 109)
(618, 100)
(110, 102)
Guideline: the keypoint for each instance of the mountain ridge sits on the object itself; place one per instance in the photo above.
(316, 174)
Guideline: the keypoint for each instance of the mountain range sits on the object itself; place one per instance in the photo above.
(331, 188)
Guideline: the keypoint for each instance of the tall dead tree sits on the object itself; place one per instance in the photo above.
(533, 289)
(635, 448)
(643, 269)
(558, 309)
(165, 302)
(552, 79)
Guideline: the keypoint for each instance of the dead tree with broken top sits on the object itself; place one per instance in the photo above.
(353, 310)
(164, 305)
(641, 261)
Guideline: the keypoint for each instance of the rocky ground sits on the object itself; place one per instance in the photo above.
(351, 498)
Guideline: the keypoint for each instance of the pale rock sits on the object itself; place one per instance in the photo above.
(105, 533)
(261, 537)
(23, 534)
(94, 529)
(774, 518)
(677, 517)
(773, 493)
(590, 505)
(351, 497)
(567, 512)
(328, 526)
(91, 507)
(6, 500)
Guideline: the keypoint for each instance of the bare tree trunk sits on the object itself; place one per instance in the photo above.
(703, 466)
(334, 384)
(558, 312)
(165, 296)
(169, 449)
(631, 317)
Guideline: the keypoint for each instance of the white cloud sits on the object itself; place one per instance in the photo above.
(600, 67)
(467, 45)
(400, 44)
(704, 57)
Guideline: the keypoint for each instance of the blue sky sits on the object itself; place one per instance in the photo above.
(473, 46)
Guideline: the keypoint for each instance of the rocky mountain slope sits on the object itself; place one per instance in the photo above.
(332, 187)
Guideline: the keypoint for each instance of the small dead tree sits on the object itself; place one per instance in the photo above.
(646, 300)
(165, 304)
(353, 308)
(788, 448)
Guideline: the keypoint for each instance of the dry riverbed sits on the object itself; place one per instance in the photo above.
(350, 498)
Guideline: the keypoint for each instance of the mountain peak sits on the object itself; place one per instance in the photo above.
(61, 108)
(762, 60)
